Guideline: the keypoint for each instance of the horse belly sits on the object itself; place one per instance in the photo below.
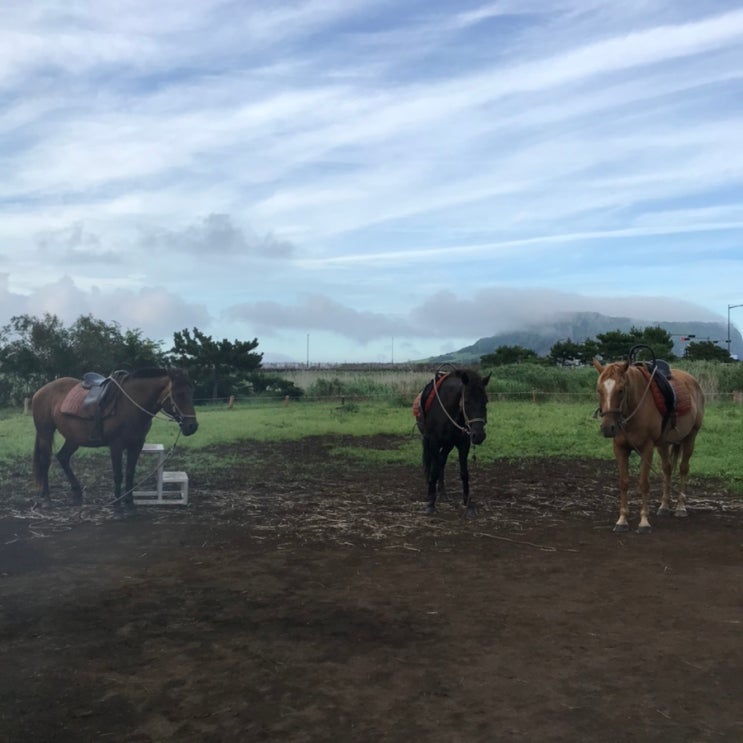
(676, 434)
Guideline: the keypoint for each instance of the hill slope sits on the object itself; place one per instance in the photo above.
(580, 326)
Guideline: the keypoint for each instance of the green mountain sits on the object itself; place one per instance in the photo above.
(580, 326)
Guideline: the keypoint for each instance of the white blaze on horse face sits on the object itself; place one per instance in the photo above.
(608, 385)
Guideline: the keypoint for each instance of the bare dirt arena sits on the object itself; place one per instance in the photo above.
(298, 598)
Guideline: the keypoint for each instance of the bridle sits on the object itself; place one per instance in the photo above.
(619, 411)
(165, 396)
(466, 428)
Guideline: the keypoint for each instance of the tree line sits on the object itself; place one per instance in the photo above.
(610, 346)
(34, 351)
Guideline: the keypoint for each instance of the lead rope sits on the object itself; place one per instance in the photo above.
(463, 429)
(149, 474)
(642, 398)
(160, 401)
(652, 468)
(168, 417)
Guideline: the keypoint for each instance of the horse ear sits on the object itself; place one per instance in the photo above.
(486, 380)
(463, 376)
(597, 365)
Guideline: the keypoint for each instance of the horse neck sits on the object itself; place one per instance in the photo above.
(454, 388)
(147, 392)
(638, 392)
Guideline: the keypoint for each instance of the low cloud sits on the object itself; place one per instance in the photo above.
(445, 315)
(320, 313)
(218, 236)
(74, 245)
(155, 311)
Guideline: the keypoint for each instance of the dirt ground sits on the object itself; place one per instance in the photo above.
(300, 598)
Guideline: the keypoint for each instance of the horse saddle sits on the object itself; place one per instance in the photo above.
(424, 400)
(89, 398)
(664, 393)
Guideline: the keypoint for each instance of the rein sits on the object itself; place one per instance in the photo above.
(621, 422)
(463, 428)
(165, 395)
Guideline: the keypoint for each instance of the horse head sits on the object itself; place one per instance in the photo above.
(178, 401)
(474, 403)
(612, 391)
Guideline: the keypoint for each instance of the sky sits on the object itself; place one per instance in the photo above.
(370, 180)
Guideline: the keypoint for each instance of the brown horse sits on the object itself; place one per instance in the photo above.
(634, 416)
(450, 412)
(135, 400)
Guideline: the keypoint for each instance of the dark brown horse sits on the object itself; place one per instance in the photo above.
(134, 400)
(634, 416)
(451, 412)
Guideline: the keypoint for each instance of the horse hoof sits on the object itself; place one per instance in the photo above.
(430, 510)
(621, 528)
(664, 511)
(680, 513)
(644, 529)
(471, 512)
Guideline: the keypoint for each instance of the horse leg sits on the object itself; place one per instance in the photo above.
(132, 457)
(441, 487)
(63, 456)
(622, 456)
(687, 449)
(117, 454)
(427, 472)
(42, 460)
(433, 470)
(464, 474)
(646, 460)
(667, 463)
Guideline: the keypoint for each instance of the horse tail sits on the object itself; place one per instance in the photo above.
(427, 459)
(42, 460)
(43, 441)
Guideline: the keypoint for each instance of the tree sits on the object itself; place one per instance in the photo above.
(616, 344)
(36, 350)
(706, 351)
(566, 352)
(215, 366)
(509, 355)
(100, 346)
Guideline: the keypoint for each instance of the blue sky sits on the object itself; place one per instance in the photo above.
(371, 180)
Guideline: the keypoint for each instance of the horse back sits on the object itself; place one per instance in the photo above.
(689, 395)
(47, 400)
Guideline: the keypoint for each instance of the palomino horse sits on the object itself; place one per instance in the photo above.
(127, 418)
(451, 412)
(635, 416)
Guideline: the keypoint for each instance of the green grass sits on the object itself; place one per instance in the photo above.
(515, 430)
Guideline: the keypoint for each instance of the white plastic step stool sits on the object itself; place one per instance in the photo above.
(163, 493)
(178, 494)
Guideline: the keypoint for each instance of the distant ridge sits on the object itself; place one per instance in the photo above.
(579, 326)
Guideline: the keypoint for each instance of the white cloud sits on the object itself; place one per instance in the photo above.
(354, 168)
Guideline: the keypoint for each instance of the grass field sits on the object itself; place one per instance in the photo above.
(515, 430)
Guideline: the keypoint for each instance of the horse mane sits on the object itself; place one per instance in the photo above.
(149, 372)
(472, 377)
(153, 372)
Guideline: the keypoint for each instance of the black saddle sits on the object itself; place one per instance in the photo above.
(661, 372)
(99, 391)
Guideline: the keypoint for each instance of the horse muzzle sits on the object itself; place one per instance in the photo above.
(188, 425)
(477, 435)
